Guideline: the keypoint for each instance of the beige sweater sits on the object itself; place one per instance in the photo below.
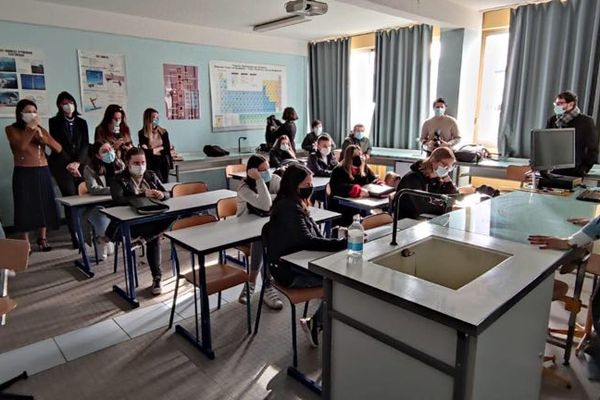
(262, 199)
(448, 130)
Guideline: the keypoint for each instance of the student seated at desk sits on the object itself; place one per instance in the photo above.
(254, 197)
(348, 179)
(98, 174)
(281, 151)
(429, 175)
(322, 161)
(392, 179)
(309, 143)
(292, 229)
(136, 181)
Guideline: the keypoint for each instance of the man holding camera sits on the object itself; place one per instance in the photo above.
(441, 130)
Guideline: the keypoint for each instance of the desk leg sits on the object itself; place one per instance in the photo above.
(84, 264)
(129, 294)
(3, 291)
(573, 316)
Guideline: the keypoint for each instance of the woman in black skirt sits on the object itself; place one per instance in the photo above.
(33, 195)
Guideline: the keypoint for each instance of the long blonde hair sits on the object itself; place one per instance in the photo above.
(147, 123)
(347, 161)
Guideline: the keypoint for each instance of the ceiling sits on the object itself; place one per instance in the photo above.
(241, 15)
(481, 5)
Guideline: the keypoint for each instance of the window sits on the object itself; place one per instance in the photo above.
(362, 75)
(495, 53)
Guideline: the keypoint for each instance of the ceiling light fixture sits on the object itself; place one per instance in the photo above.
(280, 23)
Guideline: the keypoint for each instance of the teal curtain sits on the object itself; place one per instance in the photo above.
(329, 64)
(402, 65)
(553, 47)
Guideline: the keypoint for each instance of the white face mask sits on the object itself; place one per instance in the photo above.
(68, 108)
(28, 117)
(325, 151)
(318, 130)
(442, 171)
(284, 147)
(137, 170)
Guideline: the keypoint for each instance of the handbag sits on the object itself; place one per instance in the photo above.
(471, 153)
(146, 206)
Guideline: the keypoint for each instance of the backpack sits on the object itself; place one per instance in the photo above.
(273, 125)
(212, 150)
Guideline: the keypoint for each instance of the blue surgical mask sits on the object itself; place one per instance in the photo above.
(439, 111)
(155, 121)
(109, 157)
(359, 135)
(442, 171)
(266, 176)
(558, 110)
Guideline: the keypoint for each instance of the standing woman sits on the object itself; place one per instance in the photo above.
(114, 130)
(154, 139)
(71, 131)
(33, 195)
(289, 126)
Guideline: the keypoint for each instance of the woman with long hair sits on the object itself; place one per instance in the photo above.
(282, 150)
(35, 206)
(113, 129)
(291, 230)
(154, 139)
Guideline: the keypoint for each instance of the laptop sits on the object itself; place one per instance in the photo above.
(378, 190)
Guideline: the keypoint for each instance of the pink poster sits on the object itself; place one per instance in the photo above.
(182, 96)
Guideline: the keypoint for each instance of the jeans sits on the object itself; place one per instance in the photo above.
(98, 220)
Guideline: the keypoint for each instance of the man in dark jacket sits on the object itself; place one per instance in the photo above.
(568, 115)
(322, 160)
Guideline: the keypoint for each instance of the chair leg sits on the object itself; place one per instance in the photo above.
(95, 244)
(135, 272)
(248, 308)
(259, 309)
(305, 310)
(219, 301)
(116, 262)
(294, 338)
(172, 317)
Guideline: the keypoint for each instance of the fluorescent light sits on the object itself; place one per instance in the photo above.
(280, 23)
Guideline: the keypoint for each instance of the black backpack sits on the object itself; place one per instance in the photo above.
(212, 150)
(273, 125)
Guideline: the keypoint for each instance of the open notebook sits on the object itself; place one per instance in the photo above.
(378, 190)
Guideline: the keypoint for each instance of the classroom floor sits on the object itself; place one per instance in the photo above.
(79, 340)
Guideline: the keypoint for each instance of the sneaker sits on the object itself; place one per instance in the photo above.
(156, 286)
(242, 298)
(311, 331)
(272, 299)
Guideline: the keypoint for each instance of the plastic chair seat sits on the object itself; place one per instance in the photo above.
(299, 295)
(220, 277)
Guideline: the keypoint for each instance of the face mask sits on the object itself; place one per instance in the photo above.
(266, 176)
(284, 147)
(558, 110)
(325, 151)
(439, 111)
(28, 117)
(359, 135)
(109, 157)
(155, 121)
(318, 130)
(116, 122)
(137, 170)
(356, 161)
(304, 193)
(442, 171)
(68, 108)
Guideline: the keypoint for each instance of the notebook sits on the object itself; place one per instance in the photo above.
(378, 190)
(590, 195)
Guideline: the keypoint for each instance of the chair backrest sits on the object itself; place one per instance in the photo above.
(517, 172)
(227, 207)
(373, 221)
(14, 254)
(230, 169)
(194, 220)
(82, 189)
(185, 189)
(337, 153)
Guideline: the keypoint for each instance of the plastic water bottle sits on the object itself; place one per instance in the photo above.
(356, 238)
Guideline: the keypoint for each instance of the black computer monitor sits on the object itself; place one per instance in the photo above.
(552, 148)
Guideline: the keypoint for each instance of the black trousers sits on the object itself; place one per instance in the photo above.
(67, 184)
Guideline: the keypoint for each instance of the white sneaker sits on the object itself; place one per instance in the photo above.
(242, 298)
(272, 299)
(156, 286)
(111, 248)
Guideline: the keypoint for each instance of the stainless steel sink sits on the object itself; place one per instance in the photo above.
(442, 261)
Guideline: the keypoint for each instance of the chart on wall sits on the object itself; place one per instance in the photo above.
(182, 96)
(22, 77)
(103, 81)
(244, 95)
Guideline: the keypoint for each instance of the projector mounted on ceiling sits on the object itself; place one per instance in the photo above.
(300, 10)
(308, 8)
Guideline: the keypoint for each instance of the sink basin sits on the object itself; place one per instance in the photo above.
(442, 261)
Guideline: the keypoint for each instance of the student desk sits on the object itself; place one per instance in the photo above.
(126, 217)
(364, 204)
(213, 237)
(319, 182)
(75, 205)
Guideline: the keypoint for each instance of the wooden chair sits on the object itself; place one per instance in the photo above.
(218, 277)
(517, 173)
(14, 255)
(185, 189)
(376, 220)
(228, 208)
(294, 296)
(231, 169)
(592, 267)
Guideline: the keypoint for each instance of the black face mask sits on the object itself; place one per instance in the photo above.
(356, 161)
(305, 193)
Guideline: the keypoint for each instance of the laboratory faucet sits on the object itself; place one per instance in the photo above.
(446, 201)
(240, 143)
